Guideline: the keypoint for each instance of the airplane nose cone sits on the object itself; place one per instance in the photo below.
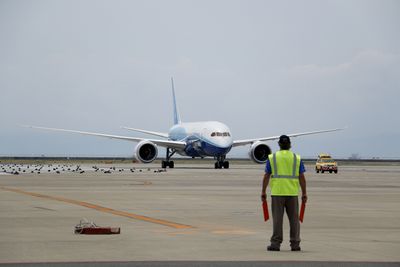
(216, 150)
(226, 142)
(222, 147)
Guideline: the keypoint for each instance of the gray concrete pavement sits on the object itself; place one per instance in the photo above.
(209, 263)
(351, 216)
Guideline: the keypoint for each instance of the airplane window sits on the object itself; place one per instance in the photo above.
(213, 134)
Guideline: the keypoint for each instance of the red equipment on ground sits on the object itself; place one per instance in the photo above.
(265, 210)
(90, 228)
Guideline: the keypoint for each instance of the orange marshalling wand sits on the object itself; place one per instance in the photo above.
(302, 210)
(265, 209)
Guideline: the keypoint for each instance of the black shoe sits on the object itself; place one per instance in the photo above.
(272, 248)
(296, 249)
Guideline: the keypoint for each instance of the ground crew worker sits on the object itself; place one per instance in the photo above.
(285, 173)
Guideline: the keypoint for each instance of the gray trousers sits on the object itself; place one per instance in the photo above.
(291, 205)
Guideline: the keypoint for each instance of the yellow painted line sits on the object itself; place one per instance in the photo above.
(100, 208)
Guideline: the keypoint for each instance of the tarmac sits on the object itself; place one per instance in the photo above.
(193, 215)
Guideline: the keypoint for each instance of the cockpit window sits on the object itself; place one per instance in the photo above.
(220, 134)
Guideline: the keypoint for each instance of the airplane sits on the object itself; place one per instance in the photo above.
(192, 139)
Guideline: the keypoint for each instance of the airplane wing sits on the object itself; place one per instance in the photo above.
(165, 135)
(251, 141)
(164, 143)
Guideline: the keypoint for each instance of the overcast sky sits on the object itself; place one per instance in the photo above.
(262, 67)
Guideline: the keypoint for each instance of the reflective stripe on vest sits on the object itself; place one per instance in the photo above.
(285, 167)
(275, 174)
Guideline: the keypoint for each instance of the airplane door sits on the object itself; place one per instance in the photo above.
(204, 133)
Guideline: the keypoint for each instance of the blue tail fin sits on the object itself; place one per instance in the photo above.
(177, 118)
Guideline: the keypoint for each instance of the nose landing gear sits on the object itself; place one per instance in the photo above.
(221, 163)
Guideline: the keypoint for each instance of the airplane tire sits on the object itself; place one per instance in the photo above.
(218, 165)
(163, 164)
(226, 164)
(171, 164)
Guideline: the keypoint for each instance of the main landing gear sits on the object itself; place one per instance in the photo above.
(168, 163)
(221, 163)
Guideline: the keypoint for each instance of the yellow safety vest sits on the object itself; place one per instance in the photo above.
(285, 166)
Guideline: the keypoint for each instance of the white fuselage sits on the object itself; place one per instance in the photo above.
(209, 138)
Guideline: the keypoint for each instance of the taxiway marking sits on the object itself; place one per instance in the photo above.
(100, 208)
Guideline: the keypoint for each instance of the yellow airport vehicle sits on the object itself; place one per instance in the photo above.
(326, 163)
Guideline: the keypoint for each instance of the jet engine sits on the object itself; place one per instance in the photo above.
(146, 151)
(259, 152)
